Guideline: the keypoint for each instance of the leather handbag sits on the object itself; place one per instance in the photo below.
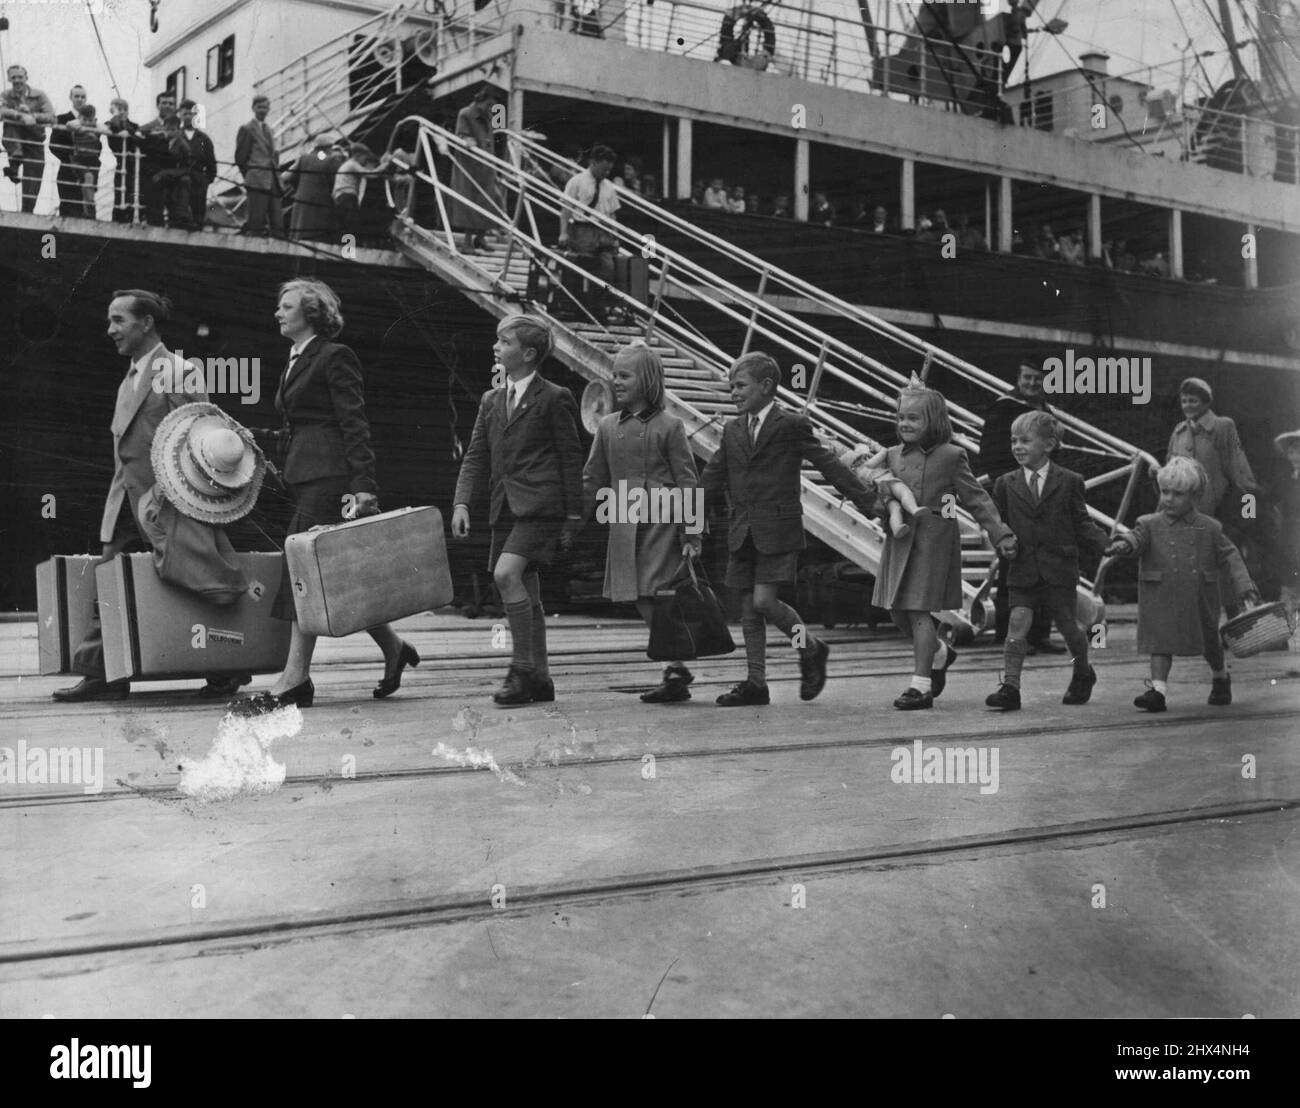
(687, 621)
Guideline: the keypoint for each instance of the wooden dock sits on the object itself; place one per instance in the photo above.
(679, 860)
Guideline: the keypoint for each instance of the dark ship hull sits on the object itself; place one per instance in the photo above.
(427, 356)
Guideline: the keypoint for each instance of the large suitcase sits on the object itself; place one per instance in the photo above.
(153, 630)
(65, 608)
(355, 575)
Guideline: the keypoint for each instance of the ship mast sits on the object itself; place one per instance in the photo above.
(1229, 36)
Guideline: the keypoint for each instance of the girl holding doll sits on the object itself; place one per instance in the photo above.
(642, 447)
(920, 571)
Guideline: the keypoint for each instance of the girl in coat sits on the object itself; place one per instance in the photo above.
(1182, 554)
(638, 450)
(920, 572)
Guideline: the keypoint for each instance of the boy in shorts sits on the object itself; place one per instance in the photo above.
(525, 445)
(758, 466)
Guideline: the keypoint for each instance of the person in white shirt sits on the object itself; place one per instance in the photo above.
(588, 191)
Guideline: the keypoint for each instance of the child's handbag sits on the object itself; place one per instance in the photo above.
(687, 621)
(1256, 630)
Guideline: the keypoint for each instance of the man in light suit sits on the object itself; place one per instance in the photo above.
(256, 158)
(150, 390)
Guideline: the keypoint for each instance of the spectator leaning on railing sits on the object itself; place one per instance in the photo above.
(123, 144)
(26, 112)
(61, 146)
(165, 180)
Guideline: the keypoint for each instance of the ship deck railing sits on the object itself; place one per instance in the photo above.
(529, 202)
(347, 79)
(1252, 142)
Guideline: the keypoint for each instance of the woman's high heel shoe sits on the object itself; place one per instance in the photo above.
(390, 685)
(301, 695)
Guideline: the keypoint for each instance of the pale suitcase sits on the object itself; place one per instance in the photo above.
(153, 630)
(369, 571)
(65, 608)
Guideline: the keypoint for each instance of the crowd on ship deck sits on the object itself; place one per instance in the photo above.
(164, 171)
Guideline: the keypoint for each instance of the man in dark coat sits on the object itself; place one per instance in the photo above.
(995, 459)
(202, 164)
(61, 143)
(150, 390)
(311, 182)
(165, 169)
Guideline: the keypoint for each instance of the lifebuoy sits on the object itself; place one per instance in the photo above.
(737, 26)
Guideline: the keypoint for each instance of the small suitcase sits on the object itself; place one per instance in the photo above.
(65, 606)
(369, 571)
(632, 276)
(153, 630)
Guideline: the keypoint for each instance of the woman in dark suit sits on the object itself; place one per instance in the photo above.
(325, 444)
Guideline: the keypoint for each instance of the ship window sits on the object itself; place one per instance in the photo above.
(176, 84)
(221, 63)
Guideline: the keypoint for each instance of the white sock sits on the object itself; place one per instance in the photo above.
(921, 684)
(1162, 687)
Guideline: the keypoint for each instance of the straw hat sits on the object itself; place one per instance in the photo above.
(206, 464)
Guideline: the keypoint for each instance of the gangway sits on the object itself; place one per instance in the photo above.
(520, 271)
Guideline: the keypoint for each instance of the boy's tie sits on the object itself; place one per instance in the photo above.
(753, 431)
(510, 400)
(1033, 486)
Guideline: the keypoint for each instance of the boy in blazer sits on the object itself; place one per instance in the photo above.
(758, 467)
(525, 447)
(202, 165)
(1044, 506)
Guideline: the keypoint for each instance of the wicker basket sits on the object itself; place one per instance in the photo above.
(1259, 629)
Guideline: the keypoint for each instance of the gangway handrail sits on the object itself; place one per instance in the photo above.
(765, 271)
(535, 189)
(554, 199)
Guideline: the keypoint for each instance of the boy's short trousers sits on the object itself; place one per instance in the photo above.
(534, 539)
(746, 567)
(1057, 598)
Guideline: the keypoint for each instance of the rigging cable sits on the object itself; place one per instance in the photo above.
(90, 10)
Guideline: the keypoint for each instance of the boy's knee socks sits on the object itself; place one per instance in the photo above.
(520, 615)
(1077, 640)
(541, 661)
(1013, 661)
(754, 629)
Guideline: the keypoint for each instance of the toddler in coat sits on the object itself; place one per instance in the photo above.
(1182, 554)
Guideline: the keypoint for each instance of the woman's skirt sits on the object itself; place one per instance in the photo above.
(315, 504)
